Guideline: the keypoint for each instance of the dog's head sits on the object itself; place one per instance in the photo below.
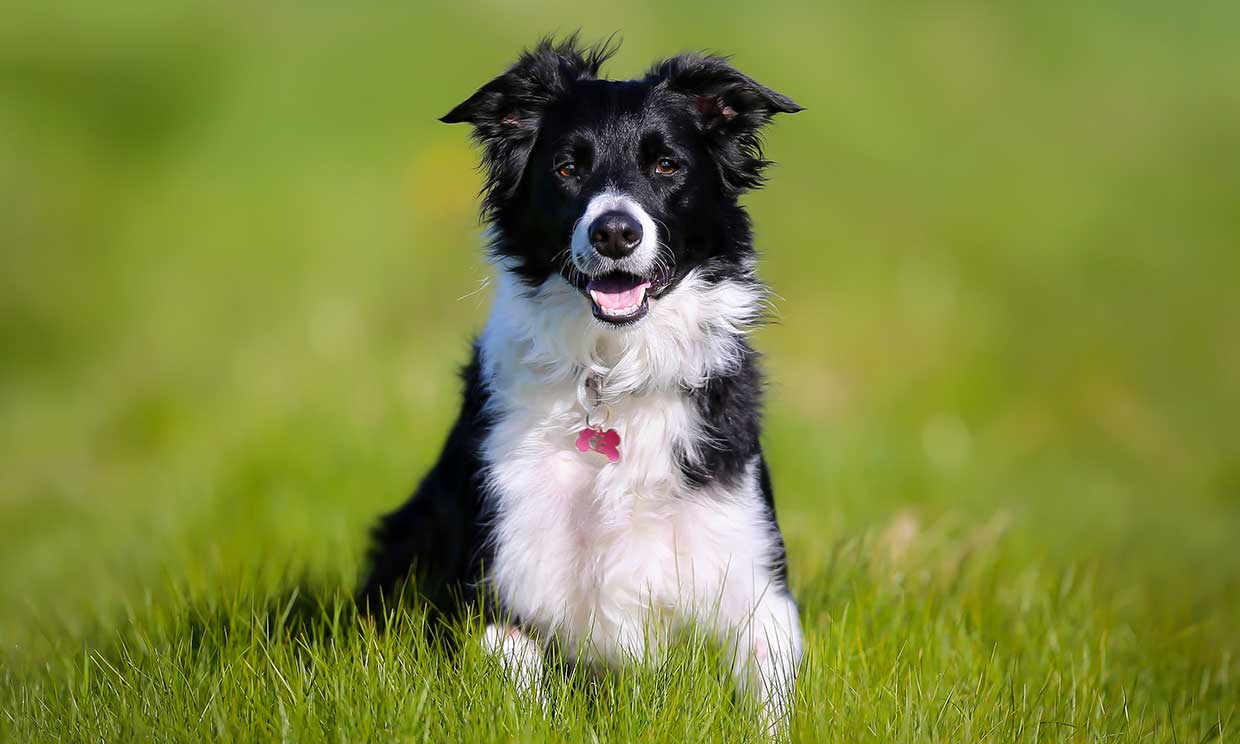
(620, 187)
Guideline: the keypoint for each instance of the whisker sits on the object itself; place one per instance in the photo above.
(486, 282)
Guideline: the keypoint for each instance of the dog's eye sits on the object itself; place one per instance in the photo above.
(666, 166)
(566, 170)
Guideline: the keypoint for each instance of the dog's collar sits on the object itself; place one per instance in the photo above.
(595, 437)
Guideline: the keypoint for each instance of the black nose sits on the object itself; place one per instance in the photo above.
(615, 234)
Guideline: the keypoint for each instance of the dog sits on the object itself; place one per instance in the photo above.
(604, 486)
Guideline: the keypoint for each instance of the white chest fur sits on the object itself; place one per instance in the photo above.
(601, 557)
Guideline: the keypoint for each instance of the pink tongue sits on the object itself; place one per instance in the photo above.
(607, 294)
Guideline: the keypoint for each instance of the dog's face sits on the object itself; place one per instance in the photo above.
(620, 187)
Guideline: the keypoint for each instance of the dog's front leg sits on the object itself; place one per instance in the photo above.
(521, 658)
(766, 653)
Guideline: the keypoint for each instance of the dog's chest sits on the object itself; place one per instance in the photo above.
(584, 546)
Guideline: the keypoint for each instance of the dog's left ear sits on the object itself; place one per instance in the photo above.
(731, 109)
(507, 111)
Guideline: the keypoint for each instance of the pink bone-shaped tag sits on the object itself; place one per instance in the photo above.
(605, 443)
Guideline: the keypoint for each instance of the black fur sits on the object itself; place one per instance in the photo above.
(732, 405)
(548, 108)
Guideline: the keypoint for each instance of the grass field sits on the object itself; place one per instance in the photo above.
(241, 264)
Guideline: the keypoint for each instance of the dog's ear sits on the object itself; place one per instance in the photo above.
(731, 109)
(507, 111)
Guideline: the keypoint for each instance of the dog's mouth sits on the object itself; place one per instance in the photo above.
(620, 298)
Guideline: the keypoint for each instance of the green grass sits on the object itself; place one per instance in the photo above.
(240, 266)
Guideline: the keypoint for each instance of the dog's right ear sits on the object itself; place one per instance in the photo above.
(731, 109)
(507, 111)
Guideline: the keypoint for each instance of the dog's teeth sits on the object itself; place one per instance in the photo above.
(620, 312)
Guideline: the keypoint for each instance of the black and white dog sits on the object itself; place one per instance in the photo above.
(604, 484)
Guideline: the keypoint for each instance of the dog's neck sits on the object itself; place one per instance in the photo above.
(692, 334)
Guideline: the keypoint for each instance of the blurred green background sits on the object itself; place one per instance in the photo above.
(241, 263)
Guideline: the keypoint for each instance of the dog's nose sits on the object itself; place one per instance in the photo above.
(615, 234)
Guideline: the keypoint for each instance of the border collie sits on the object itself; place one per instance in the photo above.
(604, 485)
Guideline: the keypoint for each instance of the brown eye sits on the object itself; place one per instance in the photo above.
(566, 170)
(666, 166)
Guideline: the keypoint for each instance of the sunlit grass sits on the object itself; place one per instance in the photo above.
(934, 635)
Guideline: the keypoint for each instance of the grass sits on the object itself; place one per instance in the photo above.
(241, 265)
